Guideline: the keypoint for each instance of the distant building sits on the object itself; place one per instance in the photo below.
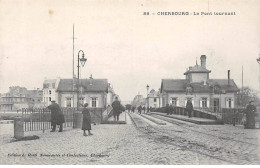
(110, 95)
(138, 100)
(19, 97)
(154, 99)
(205, 93)
(49, 90)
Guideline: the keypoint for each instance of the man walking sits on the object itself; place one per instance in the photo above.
(189, 107)
(57, 118)
(250, 116)
(140, 109)
(116, 109)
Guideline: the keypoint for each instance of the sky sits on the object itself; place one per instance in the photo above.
(124, 46)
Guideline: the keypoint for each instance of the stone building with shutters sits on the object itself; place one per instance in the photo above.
(154, 99)
(205, 93)
(91, 91)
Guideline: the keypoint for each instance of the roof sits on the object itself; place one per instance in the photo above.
(89, 85)
(197, 69)
(179, 85)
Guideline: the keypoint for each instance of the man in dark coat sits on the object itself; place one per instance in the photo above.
(116, 109)
(140, 109)
(189, 107)
(250, 116)
(144, 109)
(167, 109)
(86, 123)
(57, 117)
(171, 109)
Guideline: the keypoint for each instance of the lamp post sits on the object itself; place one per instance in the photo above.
(258, 60)
(147, 88)
(82, 61)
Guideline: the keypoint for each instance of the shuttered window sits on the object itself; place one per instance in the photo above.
(204, 102)
(94, 102)
(229, 103)
(174, 101)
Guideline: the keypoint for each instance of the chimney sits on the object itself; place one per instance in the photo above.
(228, 77)
(203, 61)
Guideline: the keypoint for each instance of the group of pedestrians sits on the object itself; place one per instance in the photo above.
(57, 117)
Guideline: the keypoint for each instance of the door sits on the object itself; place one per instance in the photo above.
(216, 104)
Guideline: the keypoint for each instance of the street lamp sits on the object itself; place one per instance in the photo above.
(147, 88)
(82, 61)
(258, 60)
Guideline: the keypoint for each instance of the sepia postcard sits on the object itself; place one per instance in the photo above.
(129, 82)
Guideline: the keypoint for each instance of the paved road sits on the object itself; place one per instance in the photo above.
(140, 141)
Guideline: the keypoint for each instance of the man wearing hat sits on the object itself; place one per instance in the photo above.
(116, 109)
(250, 116)
(57, 118)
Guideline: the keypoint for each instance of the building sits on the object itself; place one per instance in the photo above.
(154, 99)
(19, 97)
(49, 90)
(91, 91)
(138, 100)
(205, 93)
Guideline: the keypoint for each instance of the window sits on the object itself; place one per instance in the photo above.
(49, 91)
(68, 102)
(81, 101)
(174, 101)
(204, 102)
(188, 90)
(154, 99)
(94, 102)
(49, 98)
(229, 103)
(53, 85)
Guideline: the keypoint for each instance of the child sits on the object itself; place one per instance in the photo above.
(86, 124)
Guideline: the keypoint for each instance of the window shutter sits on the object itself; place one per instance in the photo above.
(226, 102)
(208, 105)
(84, 100)
(177, 102)
(65, 105)
(185, 103)
(96, 102)
(200, 102)
(232, 103)
(90, 102)
(192, 102)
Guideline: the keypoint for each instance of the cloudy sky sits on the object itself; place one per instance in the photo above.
(121, 44)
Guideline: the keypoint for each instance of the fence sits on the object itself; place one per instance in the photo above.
(40, 118)
(36, 119)
(182, 111)
(232, 115)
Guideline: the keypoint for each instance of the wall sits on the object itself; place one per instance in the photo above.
(87, 98)
(197, 97)
(152, 103)
(199, 77)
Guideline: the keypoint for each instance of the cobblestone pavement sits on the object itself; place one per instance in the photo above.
(142, 142)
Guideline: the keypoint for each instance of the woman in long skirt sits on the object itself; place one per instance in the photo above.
(86, 124)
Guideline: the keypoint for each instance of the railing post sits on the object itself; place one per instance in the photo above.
(77, 119)
(18, 128)
(234, 117)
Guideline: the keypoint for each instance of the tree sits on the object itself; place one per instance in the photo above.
(245, 95)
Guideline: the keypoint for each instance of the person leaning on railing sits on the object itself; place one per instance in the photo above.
(57, 117)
